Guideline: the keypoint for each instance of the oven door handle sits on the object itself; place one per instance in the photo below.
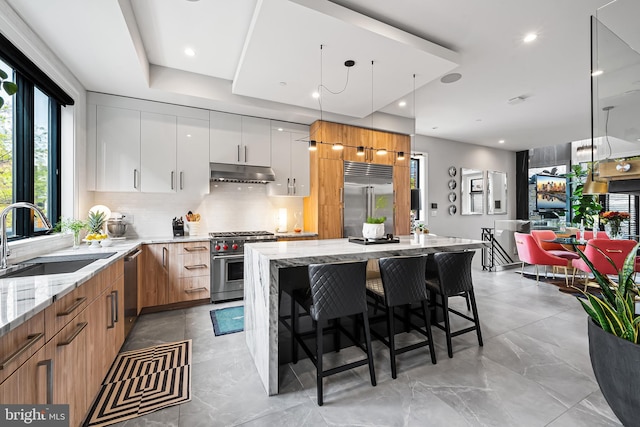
(215, 257)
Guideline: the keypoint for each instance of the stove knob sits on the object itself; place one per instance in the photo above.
(217, 247)
(225, 247)
(234, 246)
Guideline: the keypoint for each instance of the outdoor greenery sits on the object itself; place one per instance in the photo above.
(584, 206)
(9, 87)
(614, 309)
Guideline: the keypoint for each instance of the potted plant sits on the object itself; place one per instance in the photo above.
(374, 227)
(584, 206)
(612, 221)
(74, 226)
(614, 335)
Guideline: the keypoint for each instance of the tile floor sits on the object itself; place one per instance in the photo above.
(533, 370)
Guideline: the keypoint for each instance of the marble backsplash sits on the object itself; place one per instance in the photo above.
(228, 207)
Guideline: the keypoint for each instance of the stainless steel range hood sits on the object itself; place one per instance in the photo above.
(223, 172)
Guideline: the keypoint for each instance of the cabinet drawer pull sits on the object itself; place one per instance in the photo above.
(75, 305)
(191, 291)
(135, 179)
(115, 306)
(181, 180)
(172, 180)
(195, 267)
(112, 323)
(245, 154)
(49, 364)
(196, 249)
(31, 340)
(238, 154)
(73, 336)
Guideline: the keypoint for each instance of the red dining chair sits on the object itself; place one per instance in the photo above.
(588, 235)
(529, 251)
(556, 249)
(595, 252)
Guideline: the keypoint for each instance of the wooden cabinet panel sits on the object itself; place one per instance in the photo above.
(402, 200)
(62, 311)
(190, 288)
(28, 384)
(155, 275)
(331, 175)
(68, 352)
(20, 344)
(330, 222)
(98, 349)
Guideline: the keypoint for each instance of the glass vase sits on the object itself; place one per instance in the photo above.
(76, 240)
(612, 229)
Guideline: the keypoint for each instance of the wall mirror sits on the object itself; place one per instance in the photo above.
(471, 191)
(496, 192)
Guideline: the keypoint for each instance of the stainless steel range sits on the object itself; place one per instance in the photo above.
(227, 262)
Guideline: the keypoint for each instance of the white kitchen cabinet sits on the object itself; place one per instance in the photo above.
(192, 163)
(117, 151)
(158, 145)
(290, 163)
(238, 139)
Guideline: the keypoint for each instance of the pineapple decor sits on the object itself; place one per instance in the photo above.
(95, 222)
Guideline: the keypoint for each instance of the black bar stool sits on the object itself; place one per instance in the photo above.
(336, 290)
(454, 279)
(402, 285)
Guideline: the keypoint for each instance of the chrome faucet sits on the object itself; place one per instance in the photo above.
(4, 250)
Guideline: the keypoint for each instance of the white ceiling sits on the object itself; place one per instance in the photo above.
(246, 48)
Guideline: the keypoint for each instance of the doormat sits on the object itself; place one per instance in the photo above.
(143, 381)
(228, 320)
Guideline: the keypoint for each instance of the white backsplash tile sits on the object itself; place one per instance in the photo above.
(228, 207)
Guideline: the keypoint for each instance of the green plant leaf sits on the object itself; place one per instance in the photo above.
(603, 280)
(1, 102)
(3, 75)
(589, 310)
(601, 318)
(10, 87)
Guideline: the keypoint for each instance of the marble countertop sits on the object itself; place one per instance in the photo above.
(302, 252)
(292, 234)
(23, 297)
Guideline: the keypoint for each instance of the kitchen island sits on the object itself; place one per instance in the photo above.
(264, 262)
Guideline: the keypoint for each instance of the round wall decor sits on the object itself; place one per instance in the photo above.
(452, 209)
(452, 171)
(452, 184)
(452, 197)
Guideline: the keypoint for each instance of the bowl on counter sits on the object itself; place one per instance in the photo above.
(116, 227)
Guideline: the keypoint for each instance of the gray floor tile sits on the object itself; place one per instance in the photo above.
(534, 370)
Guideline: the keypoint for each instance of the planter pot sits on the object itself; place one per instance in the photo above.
(372, 231)
(615, 364)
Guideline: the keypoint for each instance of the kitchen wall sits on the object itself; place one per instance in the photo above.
(442, 154)
(228, 207)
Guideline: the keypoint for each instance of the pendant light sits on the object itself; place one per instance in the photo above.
(416, 198)
(592, 185)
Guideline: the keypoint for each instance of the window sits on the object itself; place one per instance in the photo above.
(29, 143)
(414, 179)
(624, 203)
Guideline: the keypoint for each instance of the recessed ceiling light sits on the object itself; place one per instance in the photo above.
(597, 73)
(189, 52)
(315, 95)
(188, 135)
(501, 141)
(280, 129)
(283, 83)
(402, 104)
(451, 78)
(530, 37)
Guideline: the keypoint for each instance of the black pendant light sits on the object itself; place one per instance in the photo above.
(416, 198)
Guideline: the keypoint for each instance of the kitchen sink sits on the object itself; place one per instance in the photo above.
(53, 265)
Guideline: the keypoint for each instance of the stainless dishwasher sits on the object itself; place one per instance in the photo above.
(130, 290)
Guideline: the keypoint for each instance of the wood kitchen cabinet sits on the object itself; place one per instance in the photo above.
(289, 160)
(155, 280)
(76, 340)
(189, 273)
(236, 139)
(175, 272)
(323, 209)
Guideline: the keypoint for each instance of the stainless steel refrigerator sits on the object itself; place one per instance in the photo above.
(368, 192)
